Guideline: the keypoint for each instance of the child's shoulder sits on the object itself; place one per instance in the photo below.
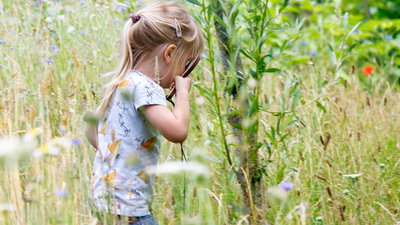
(139, 78)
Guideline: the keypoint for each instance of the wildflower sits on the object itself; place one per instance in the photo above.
(357, 31)
(7, 207)
(199, 101)
(388, 37)
(127, 3)
(287, 186)
(53, 47)
(61, 193)
(1, 42)
(11, 48)
(277, 193)
(1, 66)
(367, 70)
(352, 176)
(76, 142)
(346, 192)
(303, 43)
(70, 29)
(82, 2)
(122, 8)
(12, 148)
(49, 19)
(49, 60)
(61, 17)
(177, 167)
(313, 53)
(83, 32)
(252, 83)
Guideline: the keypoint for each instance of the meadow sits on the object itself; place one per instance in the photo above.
(295, 122)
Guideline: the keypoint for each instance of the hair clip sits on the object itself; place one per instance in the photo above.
(178, 28)
(135, 17)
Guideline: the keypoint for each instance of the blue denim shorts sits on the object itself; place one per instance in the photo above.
(140, 220)
(145, 220)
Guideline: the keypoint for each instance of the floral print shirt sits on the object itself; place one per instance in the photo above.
(128, 144)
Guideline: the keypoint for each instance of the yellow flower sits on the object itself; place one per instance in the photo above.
(44, 148)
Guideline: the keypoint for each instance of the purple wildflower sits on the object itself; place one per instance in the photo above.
(49, 60)
(82, 2)
(127, 3)
(122, 8)
(53, 47)
(357, 31)
(83, 32)
(303, 43)
(76, 141)
(388, 37)
(61, 193)
(11, 48)
(1, 66)
(1, 42)
(286, 185)
(313, 53)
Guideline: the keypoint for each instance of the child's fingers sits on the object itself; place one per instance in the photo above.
(183, 82)
(172, 86)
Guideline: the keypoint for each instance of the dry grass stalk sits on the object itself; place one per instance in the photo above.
(10, 111)
(78, 73)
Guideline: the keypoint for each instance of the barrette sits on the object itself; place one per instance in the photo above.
(178, 28)
(135, 17)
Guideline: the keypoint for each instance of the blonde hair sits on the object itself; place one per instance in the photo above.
(145, 39)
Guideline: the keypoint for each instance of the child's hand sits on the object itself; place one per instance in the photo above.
(182, 83)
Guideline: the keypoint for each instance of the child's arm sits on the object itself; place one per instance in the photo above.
(91, 132)
(174, 126)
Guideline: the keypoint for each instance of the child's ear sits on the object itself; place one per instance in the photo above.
(168, 53)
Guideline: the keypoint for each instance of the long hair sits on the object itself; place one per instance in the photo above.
(145, 39)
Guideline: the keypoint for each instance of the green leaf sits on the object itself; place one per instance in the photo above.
(219, 20)
(261, 41)
(354, 28)
(320, 106)
(280, 173)
(272, 70)
(246, 53)
(345, 21)
(296, 99)
(287, 122)
(299, 25)
(351, 47)
(237, 126)
(212, 159)
(278, 29)
(237, 3)
(333, 55)
(195, 2)
(253, 73)
(284, 6)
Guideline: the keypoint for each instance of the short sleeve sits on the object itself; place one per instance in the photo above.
(148, 93)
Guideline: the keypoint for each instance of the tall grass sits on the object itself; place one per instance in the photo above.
(338, 128)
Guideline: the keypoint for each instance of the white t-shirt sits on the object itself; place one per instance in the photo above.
(128, 144)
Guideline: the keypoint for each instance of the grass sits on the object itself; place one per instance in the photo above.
(361, 123)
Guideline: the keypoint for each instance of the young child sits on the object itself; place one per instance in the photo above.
(157, 43)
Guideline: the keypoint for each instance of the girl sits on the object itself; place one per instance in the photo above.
(157, 42)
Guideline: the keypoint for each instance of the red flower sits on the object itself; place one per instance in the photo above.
(367, 70)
